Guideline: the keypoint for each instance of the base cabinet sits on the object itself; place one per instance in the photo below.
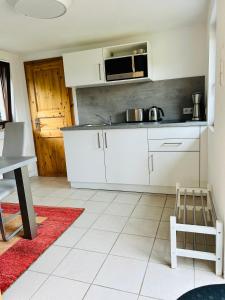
(139, 159)
(85, 156)
(126, 156)
(168, 168)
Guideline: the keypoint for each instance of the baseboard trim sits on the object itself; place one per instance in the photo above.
(124, 187)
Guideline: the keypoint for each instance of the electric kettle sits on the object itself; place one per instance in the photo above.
(155, 114)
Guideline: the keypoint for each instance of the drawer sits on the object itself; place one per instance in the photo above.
(174, 133)
(174, 145)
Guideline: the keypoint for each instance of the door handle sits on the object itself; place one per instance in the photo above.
(37, 122)
(152, 162)
(99, 144)
(106, 142)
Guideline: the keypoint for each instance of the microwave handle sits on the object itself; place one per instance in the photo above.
(99, 71)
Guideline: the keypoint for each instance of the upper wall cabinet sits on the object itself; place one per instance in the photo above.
(110, 65)
(84, 68)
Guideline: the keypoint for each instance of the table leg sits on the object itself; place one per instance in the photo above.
(26, 203)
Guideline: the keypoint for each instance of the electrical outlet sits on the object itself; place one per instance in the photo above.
(187, 110)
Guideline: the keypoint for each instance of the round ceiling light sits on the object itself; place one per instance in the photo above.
(41, 9)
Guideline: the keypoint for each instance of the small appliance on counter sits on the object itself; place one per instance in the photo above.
(134, 115)
(196, 97)
(155, 114)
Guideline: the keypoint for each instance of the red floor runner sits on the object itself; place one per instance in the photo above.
(23, 253)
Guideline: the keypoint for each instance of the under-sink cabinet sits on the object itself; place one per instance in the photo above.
(107, 156)
(139, 159)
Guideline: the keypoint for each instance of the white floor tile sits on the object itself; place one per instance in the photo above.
(127, 198)
(104, 196)
(85, 220)
(56, 288)
(164, 231)
(146, 298)
(147, 212)
(95, 207)
(133, 246)
(46, 201)
(25, 286)
(70, 237)
(161, 255)
(120, 209)
(141, 227)
(153, 200)
(122, 273)
(204, 265)
(82, 194)
(110, 223)
(165, 283)
(206, 278)
(97, 240)
(72, 203)
(167, 212)
(80, 265)
(170, 201)
(64, 192)
(101, 293)
(49, 260)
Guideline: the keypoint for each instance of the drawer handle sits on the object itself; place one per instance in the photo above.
(172, 144)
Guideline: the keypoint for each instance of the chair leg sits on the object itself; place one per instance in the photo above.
(2, 228)
(7, 237)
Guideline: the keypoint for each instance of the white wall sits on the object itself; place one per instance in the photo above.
(217, 133)
(175, 53)
(20, 101)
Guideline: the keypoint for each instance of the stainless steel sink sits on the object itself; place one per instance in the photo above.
(94, 125)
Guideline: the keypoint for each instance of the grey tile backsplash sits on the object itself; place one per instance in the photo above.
(171, 95)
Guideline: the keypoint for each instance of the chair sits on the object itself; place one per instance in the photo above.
(13, 147)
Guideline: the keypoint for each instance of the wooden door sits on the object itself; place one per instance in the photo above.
(51, 108)
(126, 156)
(85, 156)
(168, 168)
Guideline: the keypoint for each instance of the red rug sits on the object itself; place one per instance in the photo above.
(18, 258)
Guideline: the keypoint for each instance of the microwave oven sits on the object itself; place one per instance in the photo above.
(128, 67)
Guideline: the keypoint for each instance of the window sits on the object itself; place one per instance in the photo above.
(5, 93)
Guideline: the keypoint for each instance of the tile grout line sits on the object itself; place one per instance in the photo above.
(151, 250)
(108, 254)
(49, 275)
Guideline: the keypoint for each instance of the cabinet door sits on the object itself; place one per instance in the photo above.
(85, 156)
(84, 68)
(168, 168)
(126, 156)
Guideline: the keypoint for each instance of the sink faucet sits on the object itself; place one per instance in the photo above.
(105, 120)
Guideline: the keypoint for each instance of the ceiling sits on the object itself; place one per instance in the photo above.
(92, 21)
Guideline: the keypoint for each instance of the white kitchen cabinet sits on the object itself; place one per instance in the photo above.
(126, 156)
(84, 68)
(85, 156)
(168, 168)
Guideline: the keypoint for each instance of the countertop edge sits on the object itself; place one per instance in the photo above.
(136, 125)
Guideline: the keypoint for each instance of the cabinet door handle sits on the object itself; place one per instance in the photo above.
(99, 144)
(99, 72)
(106, 142)
(172, 144)
(152, 162)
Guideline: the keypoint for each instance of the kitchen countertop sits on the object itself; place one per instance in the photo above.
(137, 125)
